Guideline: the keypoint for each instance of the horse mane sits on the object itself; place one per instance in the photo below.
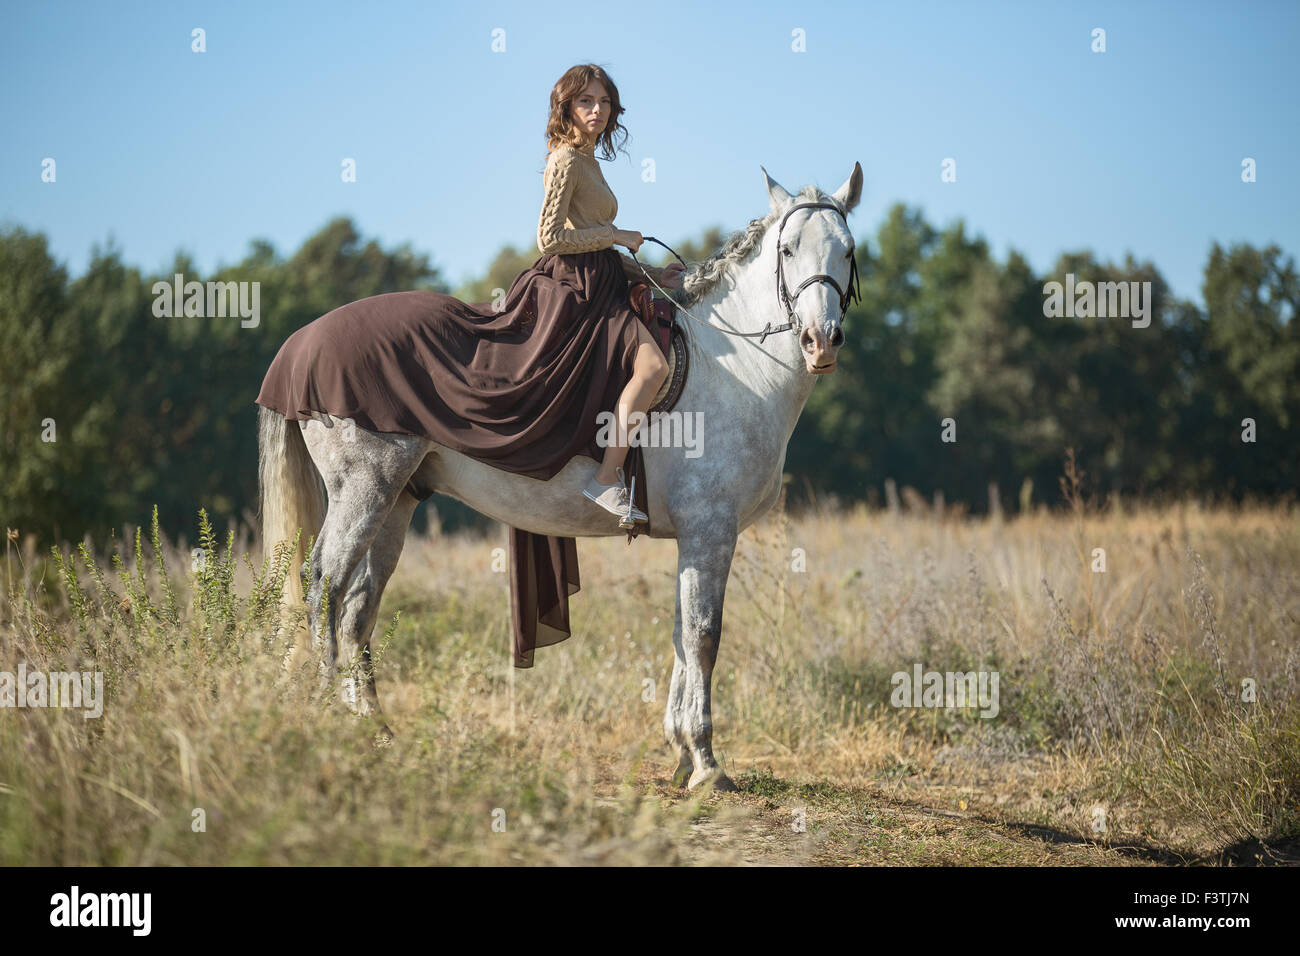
(706, 276)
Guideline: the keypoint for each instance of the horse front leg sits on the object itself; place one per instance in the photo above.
(673, 719)
(703, 564)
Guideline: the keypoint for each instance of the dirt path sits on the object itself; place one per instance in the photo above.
(774, 822)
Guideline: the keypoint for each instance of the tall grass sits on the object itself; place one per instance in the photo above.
(209, 751)
(1128, 688)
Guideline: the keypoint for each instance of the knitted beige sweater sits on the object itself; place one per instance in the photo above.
(578, 208)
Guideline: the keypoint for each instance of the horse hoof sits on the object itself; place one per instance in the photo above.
(713, 779)
(682, 774)
(383, 736)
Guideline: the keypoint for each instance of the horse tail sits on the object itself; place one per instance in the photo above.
(292, 492)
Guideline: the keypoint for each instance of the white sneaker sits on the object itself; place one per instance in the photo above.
(615, 498)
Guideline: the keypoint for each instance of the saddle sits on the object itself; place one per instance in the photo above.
(659, 316)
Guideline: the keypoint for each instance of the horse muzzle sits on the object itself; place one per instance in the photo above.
(819, 351)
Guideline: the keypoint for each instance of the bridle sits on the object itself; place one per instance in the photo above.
(847, 296)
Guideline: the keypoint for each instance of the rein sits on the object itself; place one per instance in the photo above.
(846, 296)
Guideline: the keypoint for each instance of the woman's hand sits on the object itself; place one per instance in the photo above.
(628, 237)
(672, 276)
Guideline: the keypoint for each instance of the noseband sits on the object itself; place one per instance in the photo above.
(787, 301)
(846, 295)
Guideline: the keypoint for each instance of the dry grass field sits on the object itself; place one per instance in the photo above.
(1121, 737)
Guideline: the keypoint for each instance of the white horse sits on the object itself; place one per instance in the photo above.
(748, 381)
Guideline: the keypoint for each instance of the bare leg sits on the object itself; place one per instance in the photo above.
(648, 374)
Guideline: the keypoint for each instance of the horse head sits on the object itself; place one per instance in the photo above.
(813, 249)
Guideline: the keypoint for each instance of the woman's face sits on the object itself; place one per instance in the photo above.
(591, 110)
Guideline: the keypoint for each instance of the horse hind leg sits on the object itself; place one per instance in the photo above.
(351, 523)
(364, 474)
(360, 608)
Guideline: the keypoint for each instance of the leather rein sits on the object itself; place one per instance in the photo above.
(851, 294)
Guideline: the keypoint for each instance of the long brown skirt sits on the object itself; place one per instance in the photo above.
(519, 387)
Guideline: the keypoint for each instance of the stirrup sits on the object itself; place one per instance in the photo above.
(625, 521)
(614, 495)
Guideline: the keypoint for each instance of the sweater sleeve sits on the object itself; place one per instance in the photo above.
(561, 179)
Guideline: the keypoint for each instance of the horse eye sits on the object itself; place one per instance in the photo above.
(786, 252)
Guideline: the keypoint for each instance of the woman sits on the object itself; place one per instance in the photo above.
(520, 384)
(577, 222)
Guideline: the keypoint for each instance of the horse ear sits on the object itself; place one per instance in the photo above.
(849, 194)
(776, 194)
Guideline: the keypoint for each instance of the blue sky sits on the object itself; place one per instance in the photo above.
(1058, 148)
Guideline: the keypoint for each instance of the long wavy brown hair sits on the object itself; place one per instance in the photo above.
(559, 125)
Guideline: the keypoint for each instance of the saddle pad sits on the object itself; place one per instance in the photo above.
(671, 389)
(659, 315)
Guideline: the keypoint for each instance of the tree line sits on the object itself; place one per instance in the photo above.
(955, 375)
